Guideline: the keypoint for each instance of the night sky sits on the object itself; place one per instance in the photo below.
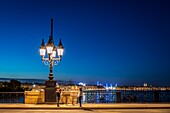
(115, 41)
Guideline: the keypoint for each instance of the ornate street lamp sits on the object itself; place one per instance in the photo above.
(50, 50)
(49, 54)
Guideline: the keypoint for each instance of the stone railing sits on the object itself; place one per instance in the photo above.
(90, 96)
(115, 96)
(34, 97)
(69, 97)
(38, 97)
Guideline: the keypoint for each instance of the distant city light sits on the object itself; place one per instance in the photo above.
(98, 83)
(82, 84)
(33, 85)
(113, 88)
(145, 84)
(107, 87)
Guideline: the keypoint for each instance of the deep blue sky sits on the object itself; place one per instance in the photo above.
(115, 41)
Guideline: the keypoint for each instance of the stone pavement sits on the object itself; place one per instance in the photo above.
(87, 106)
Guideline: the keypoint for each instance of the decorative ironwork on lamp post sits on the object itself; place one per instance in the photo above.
(48, 52)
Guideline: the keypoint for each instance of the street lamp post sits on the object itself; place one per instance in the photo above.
(48, 54)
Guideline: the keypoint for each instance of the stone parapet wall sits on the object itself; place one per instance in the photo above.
(69, 97)
(38, 97)
(34, 97)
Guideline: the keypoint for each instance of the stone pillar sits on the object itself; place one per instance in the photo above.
(50, 91)
(156, 96)
(118, 97)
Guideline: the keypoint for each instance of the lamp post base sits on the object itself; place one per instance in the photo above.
(50, 91)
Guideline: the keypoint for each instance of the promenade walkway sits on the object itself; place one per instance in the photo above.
(86, 106)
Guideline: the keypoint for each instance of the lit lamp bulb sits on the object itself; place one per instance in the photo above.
(60, 49)
(50, 46)
(54, 52)
(42, 49)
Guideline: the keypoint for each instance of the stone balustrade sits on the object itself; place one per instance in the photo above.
(69, 97)
(34, 97)
(38, 97)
